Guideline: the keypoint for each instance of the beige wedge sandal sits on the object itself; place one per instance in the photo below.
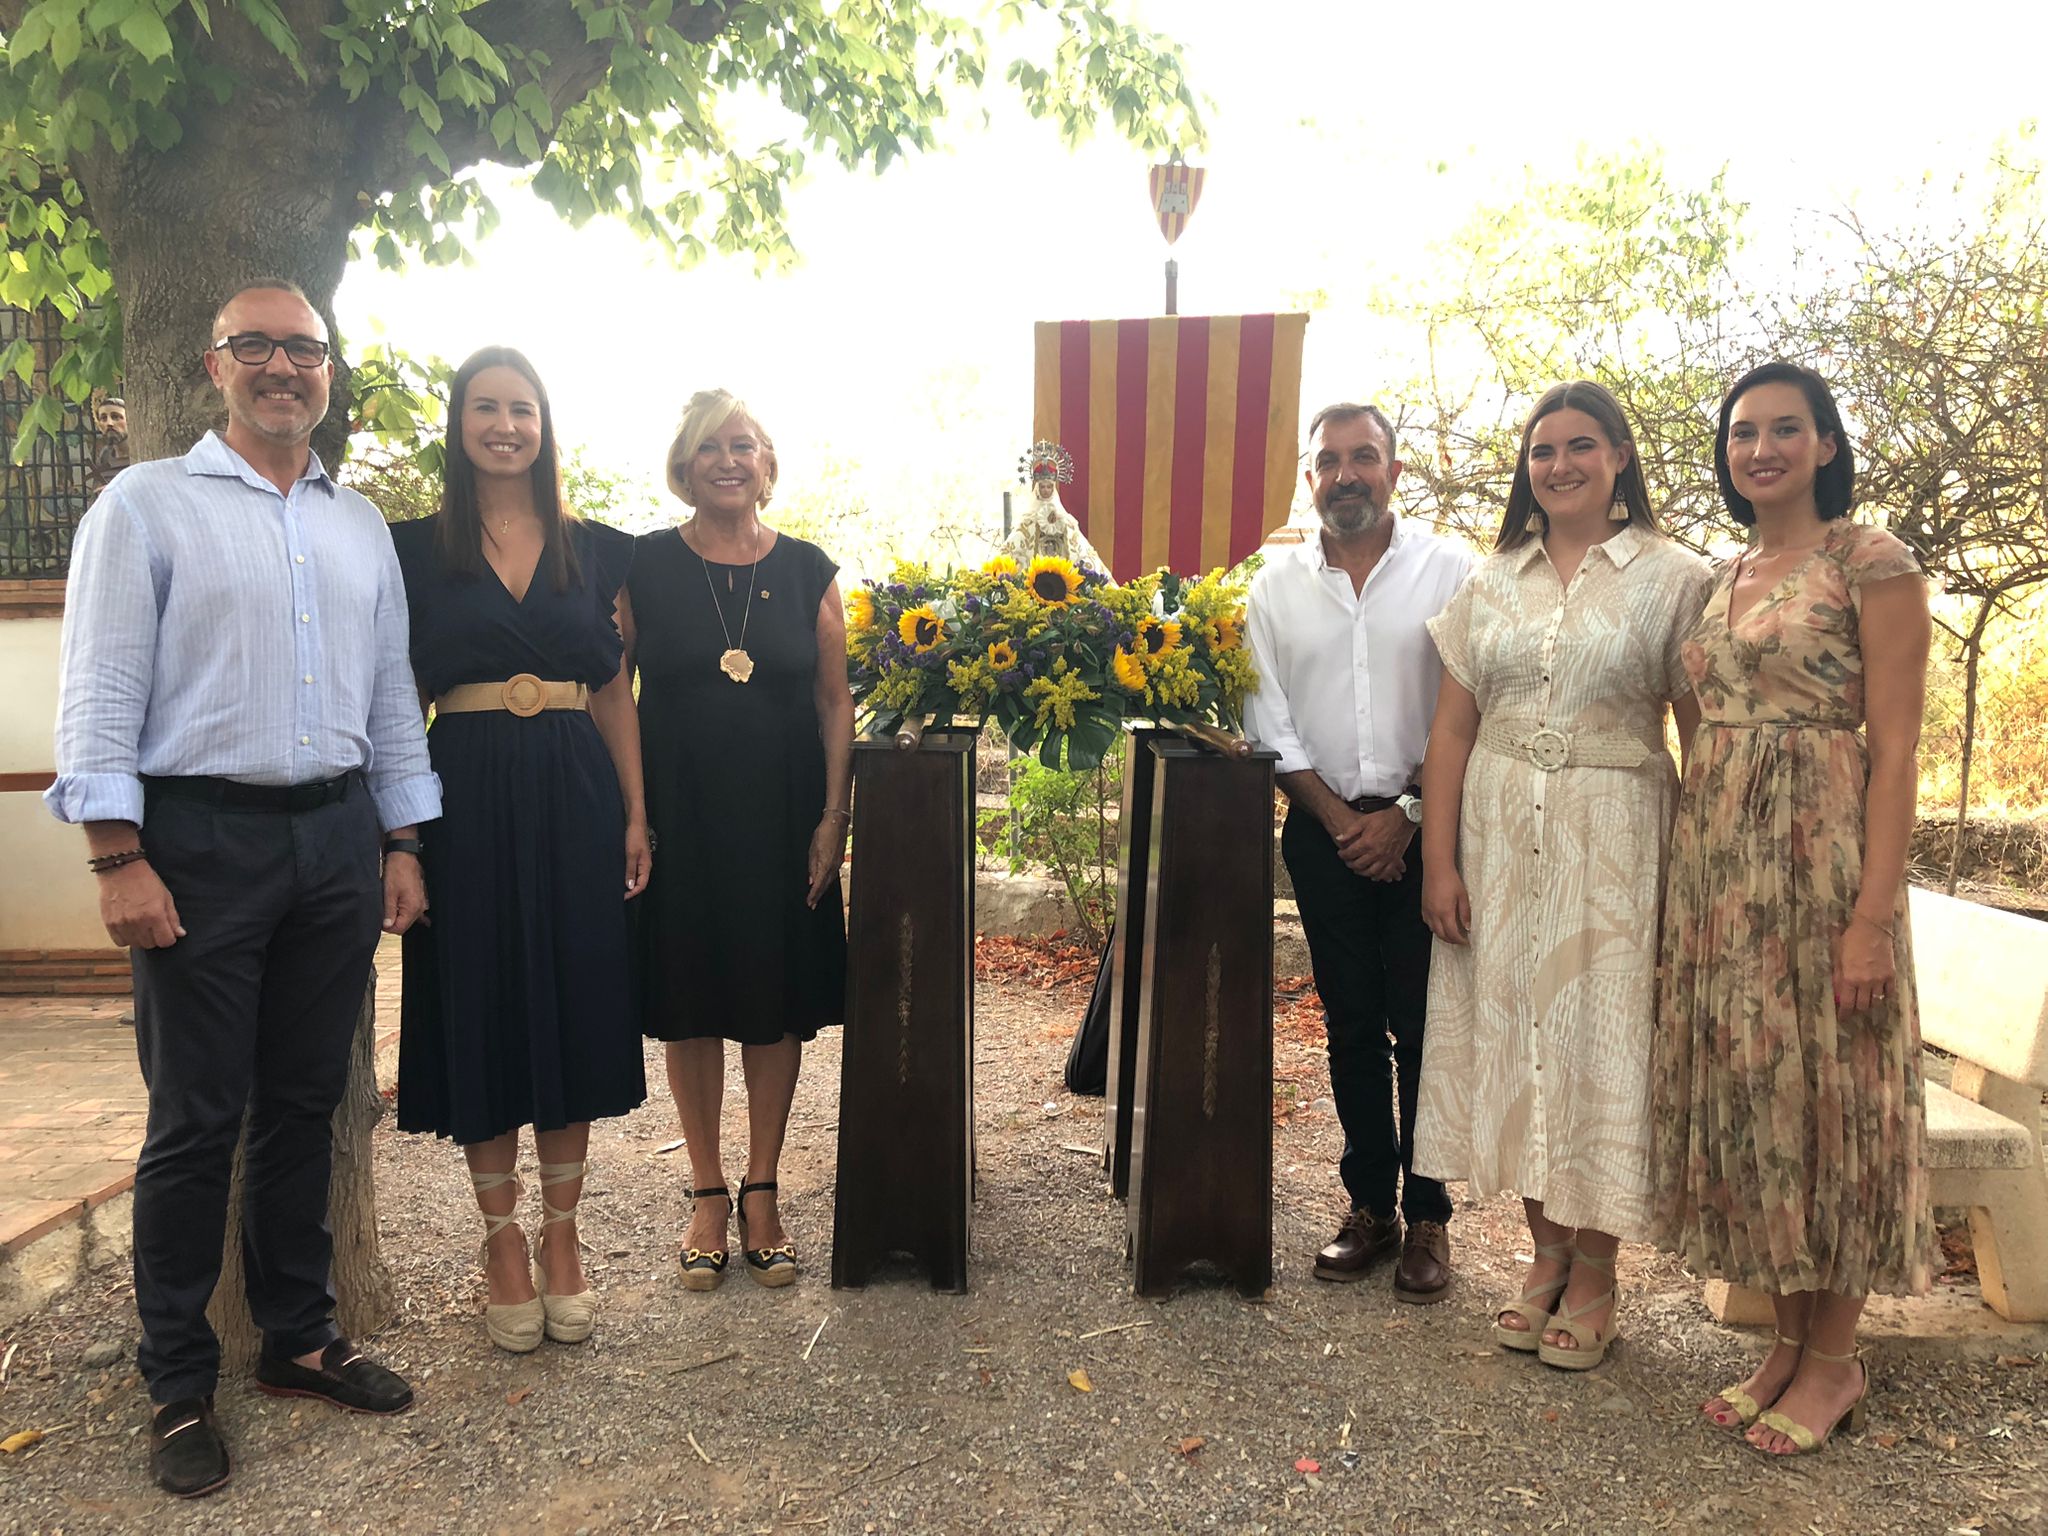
(1527, 1339)
(569, 1318)
(514, 1326)
(1592, 1345)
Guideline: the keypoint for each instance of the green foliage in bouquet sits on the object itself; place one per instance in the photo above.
(1058, 655)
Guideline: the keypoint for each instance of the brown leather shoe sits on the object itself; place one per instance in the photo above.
(1363, 1241)
(1424, 1273)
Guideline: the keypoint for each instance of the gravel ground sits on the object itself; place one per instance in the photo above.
(918, 1412)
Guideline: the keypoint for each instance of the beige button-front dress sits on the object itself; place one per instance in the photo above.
(1536, 1054)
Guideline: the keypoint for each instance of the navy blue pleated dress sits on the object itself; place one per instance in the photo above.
(517, 1004)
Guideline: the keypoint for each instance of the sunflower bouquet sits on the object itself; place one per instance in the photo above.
(1056, 654)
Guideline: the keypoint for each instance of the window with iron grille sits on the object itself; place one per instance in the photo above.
(42, 500)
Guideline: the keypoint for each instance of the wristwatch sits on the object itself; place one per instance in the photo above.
(1411, 807)
(409, 845)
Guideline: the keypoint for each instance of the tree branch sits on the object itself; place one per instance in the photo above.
(576, 66)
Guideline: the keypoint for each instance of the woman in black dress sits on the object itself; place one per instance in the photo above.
(517, 1005)
(747, 726)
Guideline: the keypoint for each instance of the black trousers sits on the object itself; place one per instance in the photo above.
(1369, 949)
(254, 1010)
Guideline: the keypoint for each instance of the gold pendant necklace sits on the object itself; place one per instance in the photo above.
(735, 663)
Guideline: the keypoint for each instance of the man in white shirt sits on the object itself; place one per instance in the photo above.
(1347, 687)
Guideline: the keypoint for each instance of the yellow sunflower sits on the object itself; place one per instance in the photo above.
(1229, 633)
(1002, 655)
(860, 609)
(1002, 565)
(1156, 637)
(921, 628)
(1053, 581)
(1128, 671)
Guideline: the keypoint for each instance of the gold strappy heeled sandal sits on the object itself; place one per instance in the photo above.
(569, 1318)
(1802, 1437)
(1746, 1407)
(1592, 1345)
(514, 1326)
(1538, 1319)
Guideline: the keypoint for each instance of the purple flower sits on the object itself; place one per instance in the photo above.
(1015, 677)
(897, 589)
(971, 604)
(1029, 671)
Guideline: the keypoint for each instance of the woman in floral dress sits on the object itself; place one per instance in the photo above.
(1788, 1099)
(1547, 795)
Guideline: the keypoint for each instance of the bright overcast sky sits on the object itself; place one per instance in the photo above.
(1344, 140)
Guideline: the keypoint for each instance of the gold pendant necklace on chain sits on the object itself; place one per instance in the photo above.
(735, 663)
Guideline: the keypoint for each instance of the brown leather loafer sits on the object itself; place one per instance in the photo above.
(1424, 1273)
(1363, 1241)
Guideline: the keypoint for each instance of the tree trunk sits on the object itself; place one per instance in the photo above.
(362, 1281)
(1973, 654)
(256, 189)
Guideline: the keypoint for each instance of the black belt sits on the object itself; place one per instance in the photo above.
(232, 795)
(1381, 802)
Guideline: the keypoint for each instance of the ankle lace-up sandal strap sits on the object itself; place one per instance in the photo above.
(552, 1174)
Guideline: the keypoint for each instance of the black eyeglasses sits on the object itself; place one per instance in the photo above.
(255, 349)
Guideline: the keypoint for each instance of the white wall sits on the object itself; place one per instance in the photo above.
(47, 896)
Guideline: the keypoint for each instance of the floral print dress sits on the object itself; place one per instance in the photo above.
(1789, 1137)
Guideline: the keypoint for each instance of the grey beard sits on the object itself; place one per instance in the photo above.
(1352, 517)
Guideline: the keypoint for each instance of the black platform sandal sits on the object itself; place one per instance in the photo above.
(768, 1266)
(703, 1268)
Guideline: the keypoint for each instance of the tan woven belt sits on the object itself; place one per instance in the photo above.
(521, 695)
(1551, 749)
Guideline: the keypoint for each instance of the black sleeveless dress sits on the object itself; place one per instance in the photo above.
(735, 789)
(517, 1006)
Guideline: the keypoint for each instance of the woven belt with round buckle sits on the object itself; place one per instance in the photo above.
(1549, 748)
(525, 695)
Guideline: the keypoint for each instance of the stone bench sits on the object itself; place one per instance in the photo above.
(1982, 977)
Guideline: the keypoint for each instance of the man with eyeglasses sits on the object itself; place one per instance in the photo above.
(236, 721)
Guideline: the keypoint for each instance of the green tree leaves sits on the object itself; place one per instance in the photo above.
(615, 108)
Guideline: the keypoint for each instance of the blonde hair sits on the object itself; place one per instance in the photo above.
(708, 410)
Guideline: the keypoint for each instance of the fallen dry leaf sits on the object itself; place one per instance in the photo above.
(1192, 1444)
(1886, 1440)
(1077, 1378)
(2022, 1362)
(1308, 1465)
(1550, 1415)
(517, 1396)
(21, 1440)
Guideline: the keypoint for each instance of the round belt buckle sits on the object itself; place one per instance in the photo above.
(525, 695)
(1548, 749)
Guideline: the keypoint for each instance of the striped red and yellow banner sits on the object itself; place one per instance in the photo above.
(1182, 430)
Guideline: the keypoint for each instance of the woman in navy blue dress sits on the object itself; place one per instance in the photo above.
(740, 641)
(517, 1005)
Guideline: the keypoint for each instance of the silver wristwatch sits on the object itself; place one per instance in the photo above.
(1411, 807)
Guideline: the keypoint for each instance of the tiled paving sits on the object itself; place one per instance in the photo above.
(72, 1107)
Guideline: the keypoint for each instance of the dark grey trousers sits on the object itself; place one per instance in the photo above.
(253, 1010)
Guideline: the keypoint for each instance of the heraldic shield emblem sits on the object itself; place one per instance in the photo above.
(1176, 188)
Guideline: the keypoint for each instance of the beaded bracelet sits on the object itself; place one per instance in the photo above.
(100, 863)
(846, 815)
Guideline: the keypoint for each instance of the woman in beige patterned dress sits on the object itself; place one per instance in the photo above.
(1547, 796)
(1789, 1111)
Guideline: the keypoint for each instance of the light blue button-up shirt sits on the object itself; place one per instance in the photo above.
(215, 626)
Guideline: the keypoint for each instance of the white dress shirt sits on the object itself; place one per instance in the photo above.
(1348, 680)
(215, 625)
